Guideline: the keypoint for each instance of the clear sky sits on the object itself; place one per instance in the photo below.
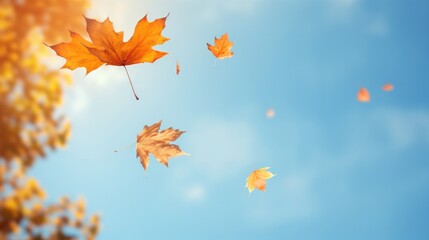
(345, 170)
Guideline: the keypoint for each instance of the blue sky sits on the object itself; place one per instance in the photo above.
(345, 170)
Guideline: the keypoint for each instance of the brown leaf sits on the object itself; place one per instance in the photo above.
(222, 47)
(177, 68)
(150, 140)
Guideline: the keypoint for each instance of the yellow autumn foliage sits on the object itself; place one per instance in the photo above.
(31, 92)
(23, 211)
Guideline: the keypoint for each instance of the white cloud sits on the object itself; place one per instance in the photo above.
(344, 3)
(101, 9)
(216, 10)
(106, 76)
(123, 14)
(295, 199)
(406, 128)
(195, 193)
(342, 9)
(222, 148)
(379, 27)
(244, 6)
(317, 174)
(211, 11)
(77, 98)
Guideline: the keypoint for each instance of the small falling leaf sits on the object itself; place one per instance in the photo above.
(388, 87)
(363, 95)
(150, 140)
(257, 179)
(270, 113)
(222, 47)
(177, 67)
(108, 47)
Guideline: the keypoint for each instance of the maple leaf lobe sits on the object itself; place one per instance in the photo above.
(114, 51)
(76, 54)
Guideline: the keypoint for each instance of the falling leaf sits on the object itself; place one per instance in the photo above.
(363, 95)
(388, 87)
(177, 68)
(150, 140)
(270, 113)
(222, 47)
(108, 47)
(257, 179)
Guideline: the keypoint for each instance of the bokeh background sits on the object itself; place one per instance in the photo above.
(345, 169)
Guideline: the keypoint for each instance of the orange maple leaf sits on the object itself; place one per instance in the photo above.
(222, 47)
(108, 47)
(363, 95)
(257, 179)
(150, 140)
(388, 87)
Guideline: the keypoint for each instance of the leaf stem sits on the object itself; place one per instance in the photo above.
(131, 83)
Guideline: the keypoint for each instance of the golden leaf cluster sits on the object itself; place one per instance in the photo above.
(23, 211)
(30, 93)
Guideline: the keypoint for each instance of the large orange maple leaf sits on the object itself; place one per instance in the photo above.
(108, 47)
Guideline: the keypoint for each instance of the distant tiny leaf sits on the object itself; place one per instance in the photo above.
(177, 67)
(270, 113)
(257, 179)
(363, 95)
(222, 47)
(150, 140)
(388, 87)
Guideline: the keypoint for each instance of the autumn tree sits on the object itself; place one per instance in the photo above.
(30, 94)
